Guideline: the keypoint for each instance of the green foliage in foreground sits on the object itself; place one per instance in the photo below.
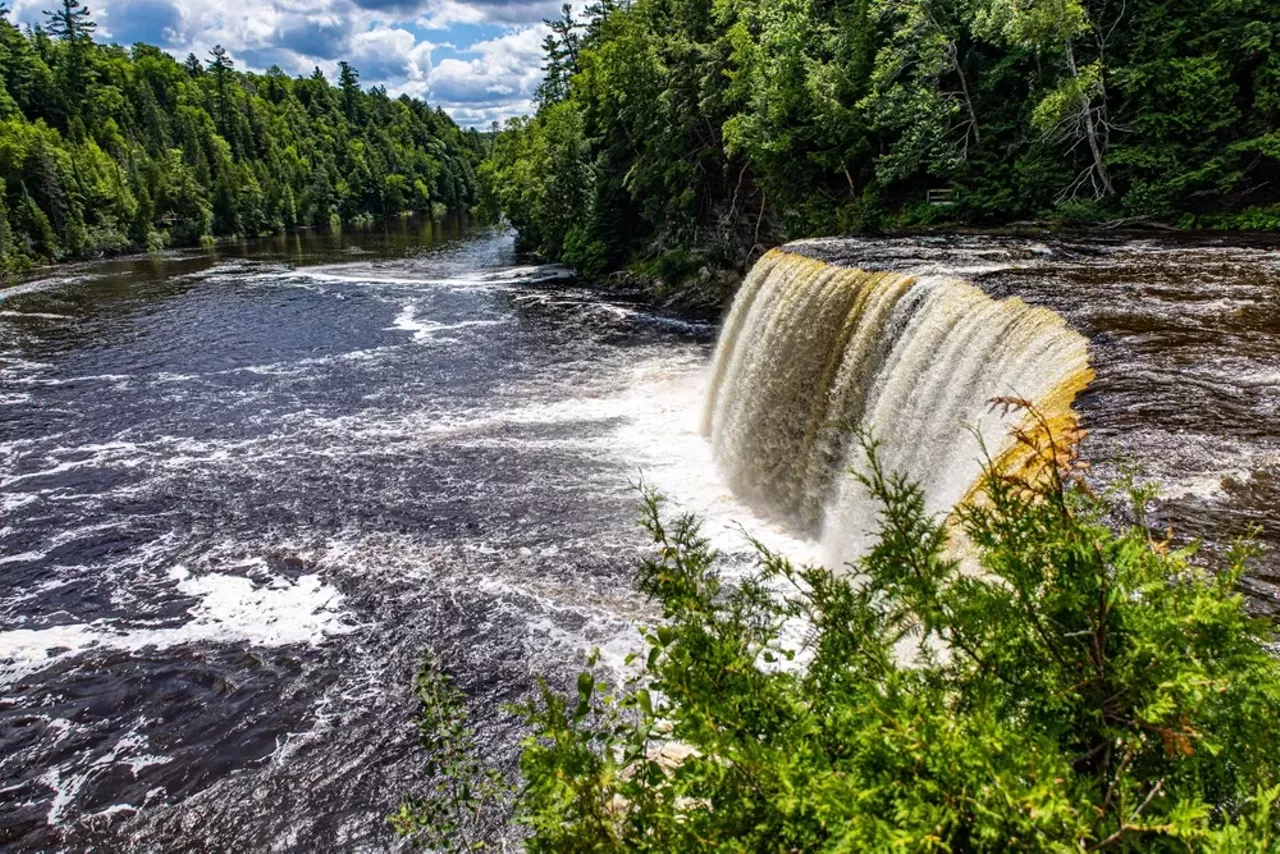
(106, 149)
(716, 126)
(1090, 689)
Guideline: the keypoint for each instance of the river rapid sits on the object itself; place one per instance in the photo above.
(243, 490)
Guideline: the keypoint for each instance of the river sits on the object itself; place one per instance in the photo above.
(244, 489)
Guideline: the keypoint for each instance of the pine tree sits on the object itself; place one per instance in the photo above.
(597, 14)
(349, 83)
(193, 65)
(71, 23)
(42, 178)
(566, 29)
(40, 240)
(560, 48)
(8, 105)
(220, 66)
(140, 228)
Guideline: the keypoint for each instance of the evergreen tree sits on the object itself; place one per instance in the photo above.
(560, 49)
(43, 181)
(39, 241)
(72, 24)
(349, 84)
(597, 14)
(220, 65)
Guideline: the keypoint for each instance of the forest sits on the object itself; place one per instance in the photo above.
(682, 134)
(108, 149)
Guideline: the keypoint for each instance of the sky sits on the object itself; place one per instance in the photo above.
(479, 59)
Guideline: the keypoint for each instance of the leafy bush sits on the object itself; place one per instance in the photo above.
(452, 816)
(589, 257)
(1077, 211)
(1080, 688)
(1250, 219)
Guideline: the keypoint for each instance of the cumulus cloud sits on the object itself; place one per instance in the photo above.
(505, 68)
(153, 21)
(323, 36)
(390, 54)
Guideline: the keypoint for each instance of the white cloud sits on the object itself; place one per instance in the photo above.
(390, 54)
(497, 82)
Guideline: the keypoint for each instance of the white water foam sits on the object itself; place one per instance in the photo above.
(38, 285)
(425, 330)
(42, 315)
(66, 783)
(231, 609)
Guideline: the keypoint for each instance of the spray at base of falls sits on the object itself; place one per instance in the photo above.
(811, 350)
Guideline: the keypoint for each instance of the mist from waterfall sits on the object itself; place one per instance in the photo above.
(811, 350)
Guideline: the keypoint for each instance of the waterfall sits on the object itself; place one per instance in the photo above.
(811, 350)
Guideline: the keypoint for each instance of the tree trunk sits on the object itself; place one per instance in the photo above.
(953, 52)
(1091, 129)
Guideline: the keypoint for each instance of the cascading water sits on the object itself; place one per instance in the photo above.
(811, 350)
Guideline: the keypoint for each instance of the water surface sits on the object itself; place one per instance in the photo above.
(243, 490)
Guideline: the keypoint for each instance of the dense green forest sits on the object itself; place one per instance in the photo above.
(106, 149)
(689, 132)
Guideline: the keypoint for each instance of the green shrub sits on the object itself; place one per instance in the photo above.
(588, 256)
(676, 265)
(1079, 211)
(1088, 688)
(1149, 199)
(452, 815)
(925, 215)
(1249, 219)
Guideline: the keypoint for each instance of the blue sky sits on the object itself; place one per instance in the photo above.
(479, 59)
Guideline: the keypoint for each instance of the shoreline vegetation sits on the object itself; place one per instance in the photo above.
(1089, 689)
(677, 139)
(106, 150)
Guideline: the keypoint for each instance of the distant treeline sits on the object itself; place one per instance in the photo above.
(688, 132)
(106, 149)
